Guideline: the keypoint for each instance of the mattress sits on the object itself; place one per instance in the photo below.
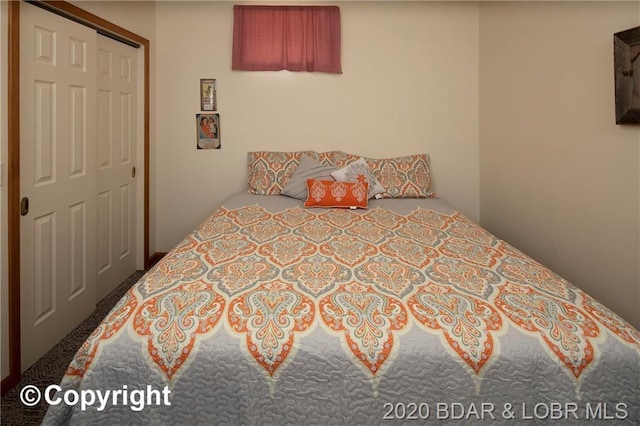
(270, 313)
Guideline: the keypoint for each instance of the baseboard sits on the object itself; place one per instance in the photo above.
(155, 258)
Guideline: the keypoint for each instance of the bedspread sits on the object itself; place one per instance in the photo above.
(269, 313)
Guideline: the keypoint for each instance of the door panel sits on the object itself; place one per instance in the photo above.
(77, 251)
(125, 222)
(116, 156)
(77, 139)
(125, 128)
(44, 136)
(44, 259)
(58, 175)
(105, 220)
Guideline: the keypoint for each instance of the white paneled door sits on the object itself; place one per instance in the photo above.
(116, 107)
(58, 177)
(77, 177)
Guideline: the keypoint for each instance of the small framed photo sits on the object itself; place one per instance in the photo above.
(208, 94)
(208, 131)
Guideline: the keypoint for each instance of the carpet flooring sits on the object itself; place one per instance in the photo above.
(50, 369)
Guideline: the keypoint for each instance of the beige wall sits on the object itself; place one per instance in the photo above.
(410, 85)
(559, 179)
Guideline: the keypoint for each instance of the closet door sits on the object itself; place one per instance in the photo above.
(116, 191)
(58, 176)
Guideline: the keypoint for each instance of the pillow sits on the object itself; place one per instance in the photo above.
(331, 193)
(308, 168)
(403, 177)
(338, 159)
(270, 171)
(351, 172)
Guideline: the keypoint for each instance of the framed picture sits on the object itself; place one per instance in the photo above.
(208, 94)
(208, 131)
(626, 57)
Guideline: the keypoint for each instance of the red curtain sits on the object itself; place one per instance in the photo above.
(294, 38)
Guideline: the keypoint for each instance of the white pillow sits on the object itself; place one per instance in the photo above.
(351, 172)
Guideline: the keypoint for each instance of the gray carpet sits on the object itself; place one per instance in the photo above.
(50, 369)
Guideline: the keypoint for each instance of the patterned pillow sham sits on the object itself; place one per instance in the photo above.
(402, 177)
(353, 171)
(338, 159)
(270, 171)
(331, 193)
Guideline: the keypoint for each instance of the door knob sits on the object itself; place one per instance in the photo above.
(24, 206)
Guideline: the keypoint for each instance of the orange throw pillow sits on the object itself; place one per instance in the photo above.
(331, 193)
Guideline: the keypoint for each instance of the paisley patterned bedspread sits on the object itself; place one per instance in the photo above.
(269, 313)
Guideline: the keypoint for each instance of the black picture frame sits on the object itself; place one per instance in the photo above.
(626, 46)
(208, 131)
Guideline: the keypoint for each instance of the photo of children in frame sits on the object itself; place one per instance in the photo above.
(208, 131)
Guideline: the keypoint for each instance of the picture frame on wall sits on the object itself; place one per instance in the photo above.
(626, 56)
(208, 94)
(208, 131)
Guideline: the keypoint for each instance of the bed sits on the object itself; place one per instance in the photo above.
(271, 312)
